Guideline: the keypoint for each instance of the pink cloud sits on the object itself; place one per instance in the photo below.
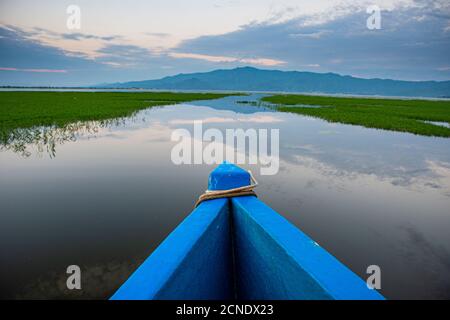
(34, 70)
(255, 61)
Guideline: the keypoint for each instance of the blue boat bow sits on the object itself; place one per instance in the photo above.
(239, 248)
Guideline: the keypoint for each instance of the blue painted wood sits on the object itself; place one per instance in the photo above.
(193, 262)
(275, 260)
(240, 248)
(228, 176)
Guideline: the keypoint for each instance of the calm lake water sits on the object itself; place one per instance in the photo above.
(102, 197)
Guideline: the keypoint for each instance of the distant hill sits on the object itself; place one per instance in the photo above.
(252, 79)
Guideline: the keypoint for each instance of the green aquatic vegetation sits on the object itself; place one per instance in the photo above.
(28, 109)
(20, 109)
(252, 103)
(402, 115)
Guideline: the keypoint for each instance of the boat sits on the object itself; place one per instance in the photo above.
(237, 247)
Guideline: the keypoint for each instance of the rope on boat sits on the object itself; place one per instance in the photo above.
(235, 192)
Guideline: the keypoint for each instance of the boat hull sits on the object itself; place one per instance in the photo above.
(240, 248)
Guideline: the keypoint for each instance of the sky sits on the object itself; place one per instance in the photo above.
(129, 40)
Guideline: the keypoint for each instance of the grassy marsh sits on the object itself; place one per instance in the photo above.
(27, 109)
(388, 114)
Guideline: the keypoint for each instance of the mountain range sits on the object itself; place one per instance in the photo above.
(253, 79)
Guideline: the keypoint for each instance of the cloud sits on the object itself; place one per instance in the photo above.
(38, 33)
(250, 119)
(312, 65)
(20, 57)
(413, 44)
(262, 61)
(201, 57)
(34, 70)
(25, 61)
(82, 36)
(313, 13)
(210, 58)
(112, 62)
(312, 35)
(123, 53)
(405, 47)
(76, 44)
(158, 34)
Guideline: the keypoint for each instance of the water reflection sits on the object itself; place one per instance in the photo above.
(366, 195)
(239, 104)
(44, 140)
(98, 281)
